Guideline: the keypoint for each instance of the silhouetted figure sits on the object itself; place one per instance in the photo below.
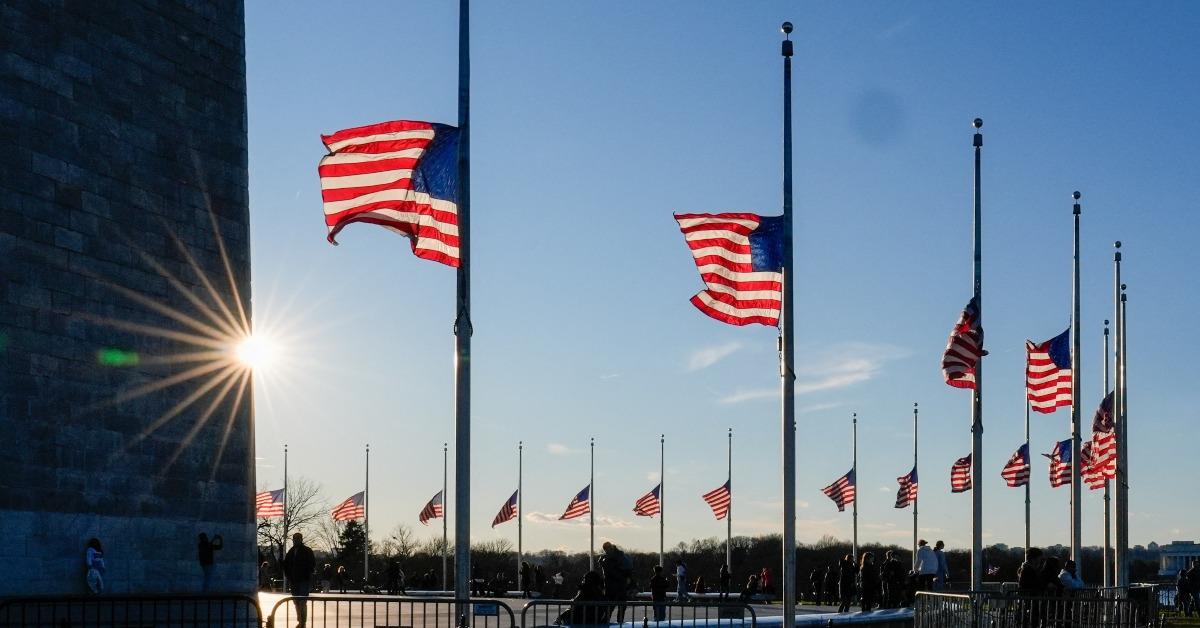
(526, 579)
(264, 576)
(587, 607)
(764, 581)
(659, 585)
(205, 549)
(750, 590)
(891, 573)
(326, 577)
(1184, 590)
(700, 585)
(831, 585)
(618, 569)
(1029, 574)
(681, 581)
(539, 580)
(393, 577)
(298, 566)
(941, 576)
(871, 585)
(846, 573)
(724, 581)
(339, 578)
(93, 564)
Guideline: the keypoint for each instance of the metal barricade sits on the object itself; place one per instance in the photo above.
(369, 611)
(128, 611)
(940, 610)
(1133, 607)
(541, 613)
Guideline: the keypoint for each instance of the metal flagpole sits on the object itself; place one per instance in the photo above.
(917, 496)
(1122, 550)
(285, 508)
(445, 519)
(662, 504)
(1120, 567)
(1076, 443)
(729, 514)
(855, 456)
(786, 353)
(977, 391)
(1108, 550)
(592, 508)
(462, 325)
(520, 512)
(367, 518)
(1029, 481)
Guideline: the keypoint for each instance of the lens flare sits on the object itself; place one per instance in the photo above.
(256, 352)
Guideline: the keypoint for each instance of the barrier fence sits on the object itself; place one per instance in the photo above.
(540, 613)
(233, 611)
(1090, 608)
(341, 611)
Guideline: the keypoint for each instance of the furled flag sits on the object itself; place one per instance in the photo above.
(908, 489)
(960, 475)
(842, 490)
(1104, 445)
(580, 505)
(740, 258)
(352, 508)
(1016, 472)
(402, 175)
(1048, 373)
(964, 349)
(649, 504)
(508, 511)
(1060, 464)
(719, 500)
(268, 504)
(432, 510)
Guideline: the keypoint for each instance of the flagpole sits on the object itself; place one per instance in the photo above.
(1076, 444)
(1028, 481)
(662, 490)
(367, 517)
(1119, 565)
(977, 391)
(462, 326)
(1122, 550)
(1108, 550)
(520, 511)
(786, 351)
(285, 508)
(916, 496)
(729, 514)
(855, 455)
(592, 508)
(445, 526)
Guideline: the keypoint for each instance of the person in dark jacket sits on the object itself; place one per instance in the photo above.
(617, 570)
(205, 549)
(750, 590)
(591, 589)
(891, 575)
(831, 584)
(526, 580)
(1029, 574)
(846, 575)
(724, 581)
(869, 575)
(1183, 593)
(816, 579)
(298, 566)
(659, 585)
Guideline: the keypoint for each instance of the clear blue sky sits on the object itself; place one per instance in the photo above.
(592, 122)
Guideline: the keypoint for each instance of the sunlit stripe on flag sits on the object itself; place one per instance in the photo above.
(649, 504)
(353, 508)
(1016, 472)
(739, 256)
(908, 489)
(964, 348)
(580, 505)
(1104, 445)
(842, 491)
(268, 504)
(508, 511)
(1060, 464)
(960, 475)
(432, 510)
(1048, 373)
(719, 499)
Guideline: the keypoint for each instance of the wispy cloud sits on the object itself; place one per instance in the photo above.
(609, 376)
(559, 449)
(817, 407)
(832, 368)
(708, 356)
(547, 518)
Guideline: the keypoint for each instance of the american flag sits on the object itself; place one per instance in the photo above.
(649, 504)
(432, 510)
(1060, 464)
(402, 175)
(1048, 373)
(964, 349)
(1088, 471)
(1016, 472)
(908, 489)
(842, 490)
(960, 475)
(352, 508)
(1104, 445)
(508, 511)
(580, 505)
(268, 504)
(719, 500)
(740, 258)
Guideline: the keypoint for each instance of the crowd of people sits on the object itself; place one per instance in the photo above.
(878, 584)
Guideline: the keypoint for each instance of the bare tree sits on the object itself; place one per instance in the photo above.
(400, 543)
(304, 507)
(327, 534)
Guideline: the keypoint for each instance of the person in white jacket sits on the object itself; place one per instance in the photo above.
(927, 566)
(1067, 577)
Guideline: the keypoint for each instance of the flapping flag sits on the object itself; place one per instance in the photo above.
(1087, 467)
(964, 349)
(649, 504)
(1048, 373)
(908, 489)
(401, 175)
(508, 511)
(719, 500)
(268, 504)
(842, 490)
(1104, 446)
(352, 508)
(1060, 464)
(740, 259)
(960, 475)
(580, 505)
(433, 510)
(1016, 472)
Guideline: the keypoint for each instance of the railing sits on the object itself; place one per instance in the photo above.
(1100, 608)
(341, 611)
(540, 613)
(234, 611)
(940, 610)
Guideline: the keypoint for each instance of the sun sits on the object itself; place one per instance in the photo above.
(255, 352)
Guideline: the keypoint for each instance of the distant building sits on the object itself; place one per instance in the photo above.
(1177, 555)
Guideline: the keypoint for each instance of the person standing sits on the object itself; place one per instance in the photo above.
(558, 580)
(526, 580)
(205, 549)
(939, 578)
(681, 581)
(93, 563)
(750, 590)
(869, 575)
(831, 584)
(927, 566)
(616, 567)
(659, 585)
(847, 572)
(1193, 579)
(764, 581)
(816, 579)
(892, 576)
(326, 578)
(298, 566)
(1067, 577)
(724, 581)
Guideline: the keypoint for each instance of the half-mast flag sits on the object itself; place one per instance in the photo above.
(433, 510)
(649, 504)
(352, 508)
(1092, 477)
(1016, 472)
(719, 500)
(401, 175)
(1048, 373)
(960, 475)
(964, 348)
(1104, 444)
(580, 505)
(908, 489)
(268, 504)
(740, 259)
(1060, 464)
(842, 490)
(508, 511)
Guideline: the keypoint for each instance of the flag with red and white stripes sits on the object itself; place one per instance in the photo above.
(433, 510)
(719, 499)
(964, 348)
(508, 511)
(1060, 464)
(1016, 472)
(740, 259)
(1103, 446)
(401, 175)
(842, 491)
(908, 489)
(649, 504)
(960, 475)
(268, 504)
(580, 505)
(1048, 373)
(353, 508)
